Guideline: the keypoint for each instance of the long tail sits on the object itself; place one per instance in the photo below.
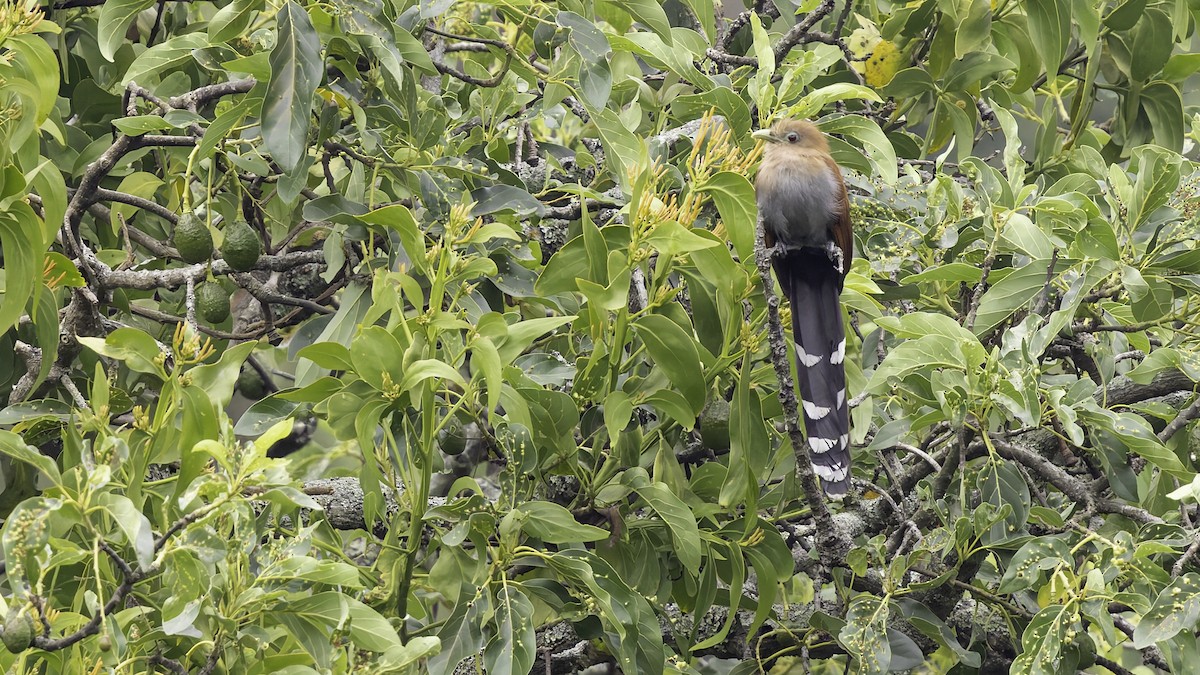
(812, 285)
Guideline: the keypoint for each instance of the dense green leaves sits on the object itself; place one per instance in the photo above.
(500, 390)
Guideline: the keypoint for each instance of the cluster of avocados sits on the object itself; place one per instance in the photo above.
(240, 249)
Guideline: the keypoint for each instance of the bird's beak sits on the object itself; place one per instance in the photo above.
(764, 135)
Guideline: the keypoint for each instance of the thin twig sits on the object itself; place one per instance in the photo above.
(1181, 420)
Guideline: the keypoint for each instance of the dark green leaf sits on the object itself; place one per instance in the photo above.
(295, 73)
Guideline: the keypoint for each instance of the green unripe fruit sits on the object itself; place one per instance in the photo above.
(104, 643)
(714, 424)
(452, 439)
(18, 631)
(241, 247)
(250, 384)
(212, 302)
(193, 239)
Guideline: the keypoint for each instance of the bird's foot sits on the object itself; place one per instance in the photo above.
(835, 255)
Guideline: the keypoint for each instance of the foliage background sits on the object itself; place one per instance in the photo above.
(530, 396)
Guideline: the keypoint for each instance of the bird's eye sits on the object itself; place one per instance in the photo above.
(792, 137)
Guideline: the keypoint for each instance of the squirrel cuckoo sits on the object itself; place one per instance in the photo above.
(806, 215)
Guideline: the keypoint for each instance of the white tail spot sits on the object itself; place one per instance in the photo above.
(839, 354)
(832, 474)
(820, 445)
(815, 411)
(841, 397)
(845, 440)
(806, 358)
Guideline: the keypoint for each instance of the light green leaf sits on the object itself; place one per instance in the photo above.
(734, 197)
(166, 55)
(671, 239)
(114, 21)
(424, 369)
(816, 100)
(878, 148)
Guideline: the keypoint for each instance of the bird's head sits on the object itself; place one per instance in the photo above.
(793, 135)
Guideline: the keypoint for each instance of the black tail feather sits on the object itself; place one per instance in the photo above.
(812, 285)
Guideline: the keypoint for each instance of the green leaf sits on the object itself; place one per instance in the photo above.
(424, 369)
(1043, 643)
(513, 646)
(296, 69)
(554, 524)
(726, 103)
(20, 240)
(671, 239)
(376, 352)
(674, 351)
(114, 20)
(930, 351)
(1023, 235)
(1164, 106)
(1177, 608)
(623, 151)
(972, 69)
(397, 217)
(734, 197)
(485, 361)
(953, 272)
(919, 324)
(218, 379)
(924, 620)
(264, 415)
(1011, 293)
(1043, 553)
(1050, 27)
(762, 49)
(1152, 44)
(164, 56)
(680, 521)
(749, 443)
(523, 334)
(395, 659)
(500, 197)
(133, 523)
(878, 148)
(14, 446)
(815, 101)
(650, 13)
(138, 350)
(139, 184)
(1000, 483)
(1125, 15)
(232, 20)
(865, 635)
(675, 405)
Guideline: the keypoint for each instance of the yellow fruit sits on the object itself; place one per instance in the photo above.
(241, 247)
(883, 64)
(192, 239)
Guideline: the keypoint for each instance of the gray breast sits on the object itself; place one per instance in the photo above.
(798, 204)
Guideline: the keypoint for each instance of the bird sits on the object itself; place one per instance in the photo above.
(806, 219)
